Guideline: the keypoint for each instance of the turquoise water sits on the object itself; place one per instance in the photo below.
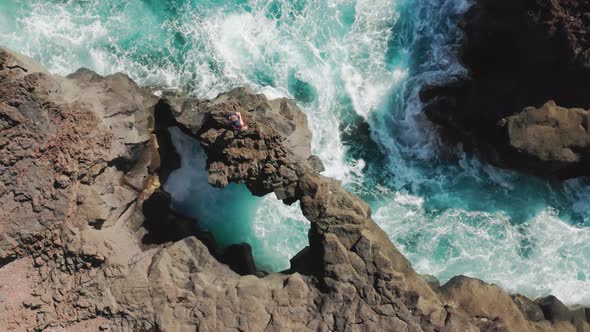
(355, 67)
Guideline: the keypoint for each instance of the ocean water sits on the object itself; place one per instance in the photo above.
(355, 68)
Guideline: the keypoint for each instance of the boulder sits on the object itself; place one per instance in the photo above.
(551, 139)
(528, 307)
(553, 309)
(488, 303)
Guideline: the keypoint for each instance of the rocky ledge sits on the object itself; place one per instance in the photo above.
(88, 241)
(521, 54)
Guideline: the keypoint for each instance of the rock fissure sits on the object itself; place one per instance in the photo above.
(15, 67)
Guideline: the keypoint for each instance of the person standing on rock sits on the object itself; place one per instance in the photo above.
(237, 121)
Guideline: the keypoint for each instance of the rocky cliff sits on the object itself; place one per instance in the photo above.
(88, 241)
(521, 54)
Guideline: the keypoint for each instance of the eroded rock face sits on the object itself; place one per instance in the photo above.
(75, 154)
(86, 240)
(519, 53)
(68, 149)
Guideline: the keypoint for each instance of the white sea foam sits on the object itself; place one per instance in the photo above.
(282, 231)
(364, 71)
(541, 257)
(274, 93)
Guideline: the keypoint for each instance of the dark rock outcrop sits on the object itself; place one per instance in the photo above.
(529, 308)
(553, 309)
(87, 241)
(519, 53)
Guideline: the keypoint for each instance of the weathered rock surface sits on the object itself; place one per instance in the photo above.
(87, 240)
(552, 138)
(519, 53)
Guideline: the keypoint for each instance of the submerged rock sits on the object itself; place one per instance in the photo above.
(82, 160)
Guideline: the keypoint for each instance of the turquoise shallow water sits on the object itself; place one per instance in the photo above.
(355, 67)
